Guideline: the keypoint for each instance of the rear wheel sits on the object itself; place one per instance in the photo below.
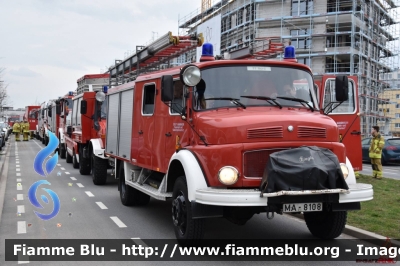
(84, 165)
(326, 224)
(130, 196)
(99, 170)
(187, 230)
(75, 163)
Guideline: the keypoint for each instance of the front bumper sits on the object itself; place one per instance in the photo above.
(251, 197)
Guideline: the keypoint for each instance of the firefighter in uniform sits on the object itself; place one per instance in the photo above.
(25, 130)
(375, 152)
(17, 130)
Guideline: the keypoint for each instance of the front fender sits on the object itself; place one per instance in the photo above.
(351, 178)
(195, 178)
(98, 148)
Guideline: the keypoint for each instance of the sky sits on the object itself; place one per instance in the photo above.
(46, 45)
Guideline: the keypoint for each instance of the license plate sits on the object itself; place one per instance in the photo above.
(302, 207)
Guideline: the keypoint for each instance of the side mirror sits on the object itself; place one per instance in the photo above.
(167, 88)
(69, 131)
(83, 107)
(58, 109)
(342, 88)
(49, 112)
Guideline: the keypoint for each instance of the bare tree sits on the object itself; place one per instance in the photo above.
(4, 98)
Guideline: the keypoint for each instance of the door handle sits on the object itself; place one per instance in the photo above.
(355, 133)
(140, 132)
(168, 134)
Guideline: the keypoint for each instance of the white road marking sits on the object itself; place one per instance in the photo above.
(117, 221)
(17, 165)
(101, 205)
(73, 178)
(21, 208)
(67, 173)
(62, 168)
(89, 193)
(58, 164)
(18, 179)
(21, 227)
(80, 185)
(20, 196)
(138, 241)
(17, 169)
(18, 174)
(23, 262)
(19, 187)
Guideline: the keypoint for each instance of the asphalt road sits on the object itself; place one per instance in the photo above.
(95, 212)
(389, 171)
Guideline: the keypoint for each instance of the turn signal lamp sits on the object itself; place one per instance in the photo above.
(178, 145)
(207, 52)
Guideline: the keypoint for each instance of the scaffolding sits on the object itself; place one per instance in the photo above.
(351, 37)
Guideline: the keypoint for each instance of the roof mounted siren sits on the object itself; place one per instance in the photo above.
(105, 89)
(207, 52)
(290, 54)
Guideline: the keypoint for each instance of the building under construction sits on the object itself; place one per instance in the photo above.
(351, 37)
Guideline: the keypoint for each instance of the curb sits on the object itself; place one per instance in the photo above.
(359, 233)
(3, 177)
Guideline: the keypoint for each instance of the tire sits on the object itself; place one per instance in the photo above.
(75, 163)
(68, 158)
(325, 224)
(187, 230)
(99, 170)
(84, 165)
(42, 140)
(384, 161)
(130, 196)
(46, 141)
(61, 150)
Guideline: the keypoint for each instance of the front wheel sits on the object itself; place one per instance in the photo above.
(326, 224)
(84, 165)
(68, 157)
(187, 230)
(61, 150)
(99, 170)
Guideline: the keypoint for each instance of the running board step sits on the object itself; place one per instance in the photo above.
(149, 190)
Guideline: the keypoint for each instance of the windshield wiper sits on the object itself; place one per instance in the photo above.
(233, 100)
(265, 98)
(293, 99)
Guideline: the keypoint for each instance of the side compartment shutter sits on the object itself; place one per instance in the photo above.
(112, 124)
(125, 125)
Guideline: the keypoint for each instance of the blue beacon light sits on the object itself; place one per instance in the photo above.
(105, 89)
(207, 52)
(290, 54)
(71, 93)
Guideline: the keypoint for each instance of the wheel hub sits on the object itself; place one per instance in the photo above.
(178, 211)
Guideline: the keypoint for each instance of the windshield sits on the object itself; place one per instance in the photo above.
(69, 104)
(104, 109)
(237, 82)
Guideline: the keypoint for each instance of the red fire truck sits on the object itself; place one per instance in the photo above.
(62, 108)
(13, 118)
(87, 132)
(204, 135)
(32, 115)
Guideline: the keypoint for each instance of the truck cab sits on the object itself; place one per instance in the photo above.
(87, 131)
(63, 109)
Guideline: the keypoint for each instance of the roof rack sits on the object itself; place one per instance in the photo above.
(152, 57)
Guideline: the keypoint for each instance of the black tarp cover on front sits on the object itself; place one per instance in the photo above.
(303, 168)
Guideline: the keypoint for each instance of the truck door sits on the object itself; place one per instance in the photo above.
(346, 116)
(147, 125)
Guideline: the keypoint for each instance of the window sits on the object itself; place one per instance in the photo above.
(302, 7)
(345, 107)
(365, 142)
(397, 125)
(398, 95)
(74, 111)
(78, 113)
(302, 42)
(149, 92)
(397, 115)
(177, 103)
(397, 106)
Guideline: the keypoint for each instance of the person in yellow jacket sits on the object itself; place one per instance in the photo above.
(17, 130)
(25, 130)
(375, 152)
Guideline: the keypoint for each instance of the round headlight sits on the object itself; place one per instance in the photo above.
(228, 175)
(100, 96)
(345, 170)
(191, 75)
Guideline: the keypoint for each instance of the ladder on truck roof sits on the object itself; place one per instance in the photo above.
(152, 57)
(260, 48)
